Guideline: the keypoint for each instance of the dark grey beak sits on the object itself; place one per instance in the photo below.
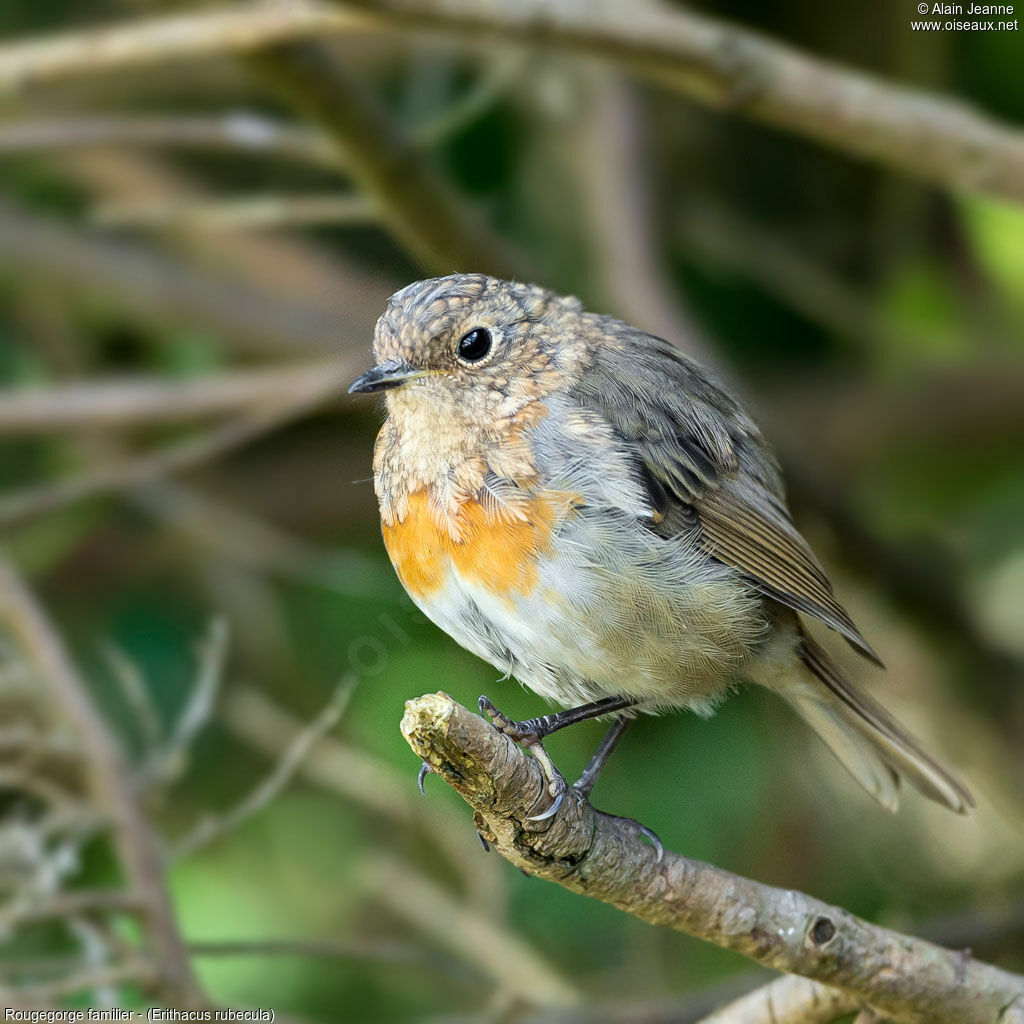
(390, 374)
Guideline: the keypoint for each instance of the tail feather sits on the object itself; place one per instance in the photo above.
(871, 744)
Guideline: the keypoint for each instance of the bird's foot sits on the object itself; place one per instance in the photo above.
(583, 786)
(648, 833)
(530, 734)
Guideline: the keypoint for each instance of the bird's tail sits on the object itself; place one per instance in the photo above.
(871, 744)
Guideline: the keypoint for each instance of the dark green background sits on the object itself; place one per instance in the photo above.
(874, 323)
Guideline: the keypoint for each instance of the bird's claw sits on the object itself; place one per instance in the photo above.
(652, 837)
(425, 769)
(551, 811)
(648, 833)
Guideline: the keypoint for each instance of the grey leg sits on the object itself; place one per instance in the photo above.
(531, 732)
(585, 783)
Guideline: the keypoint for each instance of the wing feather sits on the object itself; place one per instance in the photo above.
(702, 458)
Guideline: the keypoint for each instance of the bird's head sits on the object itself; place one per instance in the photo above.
(472, 347)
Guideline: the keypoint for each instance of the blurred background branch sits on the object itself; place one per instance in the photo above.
(790, 998)
(112, 791)
(119, 404)
(416, 203)
(709, 60)
(202, 211)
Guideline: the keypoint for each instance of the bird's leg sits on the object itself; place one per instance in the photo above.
(585, 783)
(531, 732)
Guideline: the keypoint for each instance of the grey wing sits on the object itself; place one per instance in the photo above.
(706, 464)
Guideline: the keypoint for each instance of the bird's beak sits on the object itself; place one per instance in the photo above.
(392, 373)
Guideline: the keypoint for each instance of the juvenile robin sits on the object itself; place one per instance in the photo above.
(576, 502)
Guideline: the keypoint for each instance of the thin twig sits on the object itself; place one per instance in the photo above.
(23, 739)
(253, 212)
(246, 132)
(199, 707)
(935, 138)
(370, 950)
(136, 972)
(211, 829)
(242, 131)
(167, 761)
(256, 544)
(496, 78)
(236, 28)
(96, 957)
(73, 903)
(371, 783)
(605, 858)
(133, 687)
(802, 282)
(30, 781)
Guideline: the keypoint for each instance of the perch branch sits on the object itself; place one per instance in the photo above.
(937, 139)
(906, 978)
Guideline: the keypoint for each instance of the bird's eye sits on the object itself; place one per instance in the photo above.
(474, 345)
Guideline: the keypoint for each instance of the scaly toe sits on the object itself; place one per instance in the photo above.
(498, 720)
(522, 732)
(648, 833)
(527, 735)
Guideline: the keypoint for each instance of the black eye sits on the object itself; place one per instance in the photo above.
(475, 345)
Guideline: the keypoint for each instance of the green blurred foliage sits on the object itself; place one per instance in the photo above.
(938, 279)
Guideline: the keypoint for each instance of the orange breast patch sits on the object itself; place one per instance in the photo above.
(499, 554)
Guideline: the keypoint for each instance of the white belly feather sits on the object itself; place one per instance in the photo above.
(617, 611)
